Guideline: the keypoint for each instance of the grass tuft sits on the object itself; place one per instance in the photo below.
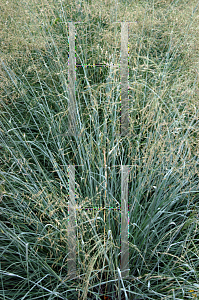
(161, 150)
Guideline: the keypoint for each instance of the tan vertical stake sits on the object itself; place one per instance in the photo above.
(71, 261)
(72, 78)
(124, 222)
(124, 79)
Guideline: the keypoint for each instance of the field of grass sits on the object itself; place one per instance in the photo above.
(161, 149)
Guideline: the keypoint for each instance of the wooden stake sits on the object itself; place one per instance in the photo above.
(124, 222)
(124, 79)
(71, 261)
(72, 78)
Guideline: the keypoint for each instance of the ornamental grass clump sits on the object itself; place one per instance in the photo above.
(160, 150)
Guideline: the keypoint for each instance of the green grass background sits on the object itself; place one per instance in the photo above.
(162, 149)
